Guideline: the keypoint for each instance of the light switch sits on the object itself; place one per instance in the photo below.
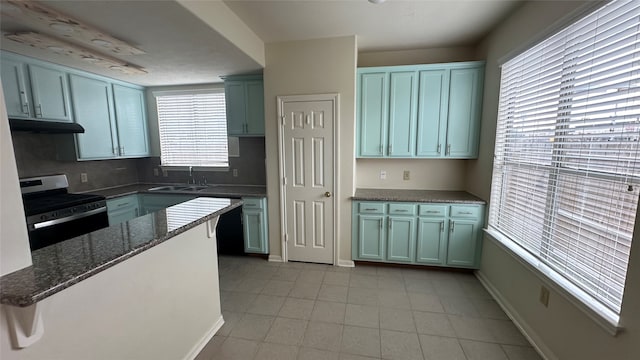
(383, 175)
(83, 177)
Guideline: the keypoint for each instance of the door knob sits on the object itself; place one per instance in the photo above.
(327, 194)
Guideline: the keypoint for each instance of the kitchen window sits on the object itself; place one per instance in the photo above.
(193, 128)
(566, 175)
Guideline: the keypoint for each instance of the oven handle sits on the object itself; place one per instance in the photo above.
(69, 218)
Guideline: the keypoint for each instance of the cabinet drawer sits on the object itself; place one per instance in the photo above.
(433, 210)
(252, 203)
(371, 208)
(122, 202)
(402, 209)
(470, 212)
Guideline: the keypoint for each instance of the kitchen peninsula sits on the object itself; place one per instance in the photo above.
(144, 288)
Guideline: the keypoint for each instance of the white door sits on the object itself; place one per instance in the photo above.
(306, 154)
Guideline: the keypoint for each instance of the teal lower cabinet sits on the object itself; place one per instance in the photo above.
(401, 239)
(432, 241)
(254, 225)
(123, 209)
(370, 237)
(462, 243)
(437, 235)
(150, 203)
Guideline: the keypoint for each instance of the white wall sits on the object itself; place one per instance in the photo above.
(163, 304)
(424, 174)
(562, 330)
(15, 253)
(312, 67)
(416, 56)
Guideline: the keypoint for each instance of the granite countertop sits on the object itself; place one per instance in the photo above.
(64, 264)
(436, 196)
(218, 190)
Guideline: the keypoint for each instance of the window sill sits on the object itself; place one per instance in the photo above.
(195, 168)
(605, 318)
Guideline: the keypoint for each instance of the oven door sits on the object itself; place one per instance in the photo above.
(54, 231)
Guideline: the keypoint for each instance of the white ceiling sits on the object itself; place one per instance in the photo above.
(391, 25)
(182, 49)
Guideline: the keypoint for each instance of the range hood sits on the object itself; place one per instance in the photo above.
(47, 127)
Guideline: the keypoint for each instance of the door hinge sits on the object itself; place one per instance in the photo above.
(282, 120)
(284, 180)
(286, 237)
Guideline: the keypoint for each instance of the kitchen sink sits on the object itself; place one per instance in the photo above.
(186, 188)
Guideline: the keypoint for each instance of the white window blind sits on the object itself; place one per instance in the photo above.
(566, 174)
(193, 129)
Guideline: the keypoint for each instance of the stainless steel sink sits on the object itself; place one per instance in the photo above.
(185, 188)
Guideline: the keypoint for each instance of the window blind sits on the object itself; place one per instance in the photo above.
(566, 174)
(193, 129)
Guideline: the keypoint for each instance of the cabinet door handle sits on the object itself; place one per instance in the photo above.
(380, 150)
(390, 149)
(400, 210)
(452, 226)
(442, 226)
(25, 108)
(448, 149)
(370, 209)
(114, 150)
(390, 223)
(39, 110)
(432, 212)
(465, 213)
(381, 224)
(123, 204)
(438, 150)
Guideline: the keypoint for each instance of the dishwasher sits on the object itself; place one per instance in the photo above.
(229, 233)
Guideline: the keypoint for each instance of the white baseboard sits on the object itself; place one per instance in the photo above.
(205, 339)
(275, 258)
(346, 263)
(522, 325)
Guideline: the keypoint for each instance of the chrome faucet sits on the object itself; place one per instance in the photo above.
(191, 179)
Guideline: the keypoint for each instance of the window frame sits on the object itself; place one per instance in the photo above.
(604, 316)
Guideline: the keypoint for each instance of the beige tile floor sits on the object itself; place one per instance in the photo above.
(311, 311)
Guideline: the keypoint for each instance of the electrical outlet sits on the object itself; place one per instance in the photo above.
(383, 175)
(155, 172)
(83, 177)
(235, 172)
(406, 175)
(165, 173)
(544, 296)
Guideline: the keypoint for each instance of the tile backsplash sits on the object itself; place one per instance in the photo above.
(250, 167)
(36, 155)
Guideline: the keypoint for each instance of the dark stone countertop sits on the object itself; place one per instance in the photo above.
(215, 190)
(435, 196)
(62, 265)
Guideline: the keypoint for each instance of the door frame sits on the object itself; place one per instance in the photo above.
(281, 100)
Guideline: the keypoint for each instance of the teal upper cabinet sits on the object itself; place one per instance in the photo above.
(432, 112)
(402, 114)
(131, 121)
(113, 113)
(113, 117)
(92, 106)
(372, 106)
(424, 111)
(16, 91)
(465, 97)
(34, 91)
(244, 97)
(50, 93)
